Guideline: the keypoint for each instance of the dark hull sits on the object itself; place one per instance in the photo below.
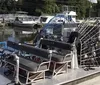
(21, 25)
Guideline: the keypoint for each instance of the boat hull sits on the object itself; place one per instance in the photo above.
(23, 25)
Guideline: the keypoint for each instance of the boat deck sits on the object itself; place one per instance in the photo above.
(72, 77)
(3, 79)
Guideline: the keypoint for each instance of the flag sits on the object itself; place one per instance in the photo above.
(93, 1)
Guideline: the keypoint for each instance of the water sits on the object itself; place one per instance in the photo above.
(6, 32)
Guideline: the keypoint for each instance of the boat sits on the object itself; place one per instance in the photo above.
(66, 62)
(59, 27)
(77, 68)
(64, 17)
(29, 21)
(76, 72)
(23, 21)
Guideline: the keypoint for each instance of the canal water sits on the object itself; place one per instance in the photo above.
(16, 32)
(5, 32)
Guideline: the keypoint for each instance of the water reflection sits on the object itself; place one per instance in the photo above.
(5, 32)
(16, 32)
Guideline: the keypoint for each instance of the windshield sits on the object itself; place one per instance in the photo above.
(43, 19)
(55, 29)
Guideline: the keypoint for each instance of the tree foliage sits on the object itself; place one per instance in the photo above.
(41, 6)
(38, 7)
(7, 6)
(81, 7)
(50, 7)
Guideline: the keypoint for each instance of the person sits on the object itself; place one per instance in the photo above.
(16, 19)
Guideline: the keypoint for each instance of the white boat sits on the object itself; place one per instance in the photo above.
(21, 19)
(65, 17)
(61, 24)
(29, 21)
(24, 21)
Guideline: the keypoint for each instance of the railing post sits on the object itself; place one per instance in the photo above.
(74, 57)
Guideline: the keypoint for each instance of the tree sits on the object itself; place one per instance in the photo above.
(7, 6)
(38, 7)
(46, 7)
(50, 7)
(97, 8)
(81, 7)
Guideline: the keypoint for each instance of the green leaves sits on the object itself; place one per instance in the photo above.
(81, 7)
(38, 7)
(47, 7)
(7, 6)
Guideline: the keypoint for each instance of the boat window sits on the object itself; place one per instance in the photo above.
(43, 19)
(30, 18)
(25, 19)
(55, 29)
(60, 20)
(60, 15)
(69, 18)
(21, 19)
